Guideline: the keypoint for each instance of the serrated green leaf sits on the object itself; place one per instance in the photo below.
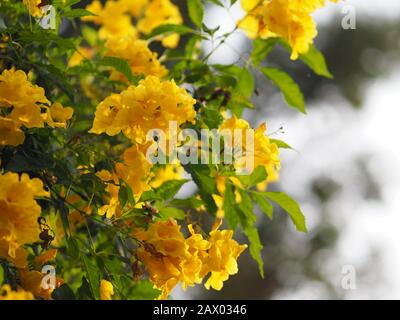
(63, 292)
(171, 212)
(196, 12)
(229, 206)
(143, 290)
(291, 207)
(169, 189)
(263, 203)
(120, 65)
(76, 13)
(93, 276)
(290, 90)
(261, 49)
(169, 28)
(258, 175)
(217, 2)
(1, 275)
(255, 246)
(315, 60)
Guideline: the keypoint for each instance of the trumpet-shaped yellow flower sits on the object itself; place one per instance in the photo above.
(265, 152)
(135, 169)
(113, 207)
(18, 92)
(57, 115)
(106, 290)
(19, 211)
(6, 293)
(10, 132)
(160, 12)
(222, 258)
(112, 18)
(140, 58)
(289, 19)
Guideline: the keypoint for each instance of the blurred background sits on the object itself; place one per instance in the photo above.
(345, 170)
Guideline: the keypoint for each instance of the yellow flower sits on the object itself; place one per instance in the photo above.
(165, 237)
(34, 7)
(222, 258)
(149, 105)
(19, 210)
(57, 115)
(112, 18)
(135, 169)
(106, 290)
(289, 19)
(171, 259)
(10, 133)
(140, 58)
(32, 281)
(6, 293)
(17, 91)
(166, 173)
(264, 154)
(113, 207)
(160, 12)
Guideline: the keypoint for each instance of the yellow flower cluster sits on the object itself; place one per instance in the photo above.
(289, 19)
(23, 102)
(171, 258)
(6, 293)
(116, 15)
(19, 213)
(151, 104)
(136, 52)
(138, 109)
(34, 7)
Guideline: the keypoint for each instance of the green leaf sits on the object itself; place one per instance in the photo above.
(217, 2)
(263, 203)
(63, 292)
(84, 291)
(143, 290)
(315, 60)
(169, 28)
(255, 246)
(290, 89)
(196, 12)
(125, 195)
(291, 207)
(171, 212)
(76, 13)
(229, 206)
(120, 65)
(201, 176)
(258, 175)
(1, 275)
(93, 276)
(261, 49)
(169, 189)
(281, 144)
